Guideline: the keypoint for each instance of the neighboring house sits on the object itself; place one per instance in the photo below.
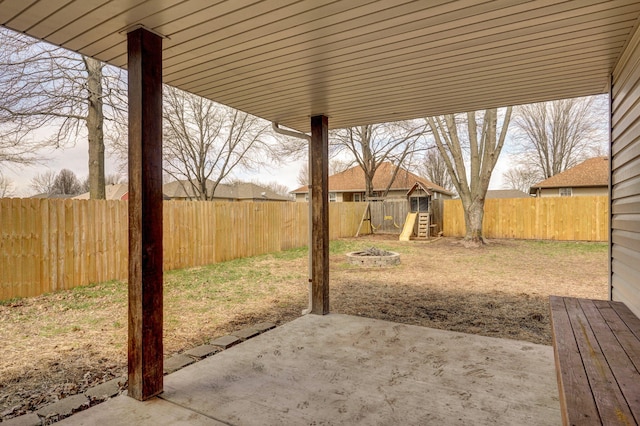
(51, 196)
(506, 193)
(591, 177)
(118, 191)
(238, 191)
(350, 185)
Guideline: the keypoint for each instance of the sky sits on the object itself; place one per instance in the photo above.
(76, 159)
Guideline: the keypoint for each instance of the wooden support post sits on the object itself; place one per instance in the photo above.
(145, 214)
(319, 160)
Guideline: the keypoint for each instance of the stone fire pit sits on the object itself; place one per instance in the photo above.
(373, 256)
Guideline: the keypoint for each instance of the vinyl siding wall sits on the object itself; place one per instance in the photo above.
(625, 178)
(575, 191)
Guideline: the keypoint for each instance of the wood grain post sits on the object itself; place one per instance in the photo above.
(145, 214)
(319, 160)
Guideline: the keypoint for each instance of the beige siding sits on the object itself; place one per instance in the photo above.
(625, 178)
(397, 194)
(575, 192)
(579, 192)
(357, 61)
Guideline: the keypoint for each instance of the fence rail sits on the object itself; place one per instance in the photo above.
(48, 245)
(552, 218)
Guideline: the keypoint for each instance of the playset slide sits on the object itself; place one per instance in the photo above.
(408, 226)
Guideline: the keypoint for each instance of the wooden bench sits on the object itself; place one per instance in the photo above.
(597, 353)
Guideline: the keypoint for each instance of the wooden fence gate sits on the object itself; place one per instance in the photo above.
(388, 216)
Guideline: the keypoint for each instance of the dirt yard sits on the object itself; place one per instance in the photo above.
(59, 344)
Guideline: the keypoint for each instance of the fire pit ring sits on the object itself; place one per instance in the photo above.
(373, 257)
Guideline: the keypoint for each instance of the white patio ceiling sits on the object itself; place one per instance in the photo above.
(357, 61)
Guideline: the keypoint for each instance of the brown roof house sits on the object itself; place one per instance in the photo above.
(591, 177)
(118, 191)
(238, 191)
(350, 185)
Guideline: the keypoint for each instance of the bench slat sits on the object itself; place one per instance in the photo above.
(577, 407)
(600, 340)
(611, 404)
(609, 332)
(632, 321)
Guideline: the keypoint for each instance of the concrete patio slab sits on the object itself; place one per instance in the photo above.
(125, 411)
(340, 369)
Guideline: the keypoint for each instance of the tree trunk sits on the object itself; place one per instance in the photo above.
(95, 119)
(368, 185)
(473, 217)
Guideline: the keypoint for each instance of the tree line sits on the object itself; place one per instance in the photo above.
(205, 143)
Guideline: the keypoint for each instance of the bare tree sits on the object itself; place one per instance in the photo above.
(66, 183)
(303, 175)
(335, 166)
(521, 178)
(434, 168)
(114, 179)
(84, 185)
(46, 87)
(371, 145)
(43, 183)
(7, 188)
(481, 150)
(205, 141)
(554, 136)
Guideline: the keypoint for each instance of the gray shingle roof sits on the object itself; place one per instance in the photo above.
(234, 191)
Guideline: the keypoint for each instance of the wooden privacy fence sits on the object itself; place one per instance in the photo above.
(48, 245)
(551, 218)
(388, 216)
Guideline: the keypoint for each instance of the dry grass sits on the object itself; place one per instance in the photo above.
(501, 290)
(59, 344)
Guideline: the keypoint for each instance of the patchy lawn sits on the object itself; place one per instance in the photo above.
(59, 344)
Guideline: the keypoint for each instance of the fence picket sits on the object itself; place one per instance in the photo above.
(48, 245)
(552, 218)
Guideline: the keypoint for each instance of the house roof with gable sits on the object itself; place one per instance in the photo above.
(112, 192)
(248, 190)
(591, 172)
(352, 180)
(234, 191)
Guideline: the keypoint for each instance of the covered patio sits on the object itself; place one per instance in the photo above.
(313, 66)
(339, 369)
